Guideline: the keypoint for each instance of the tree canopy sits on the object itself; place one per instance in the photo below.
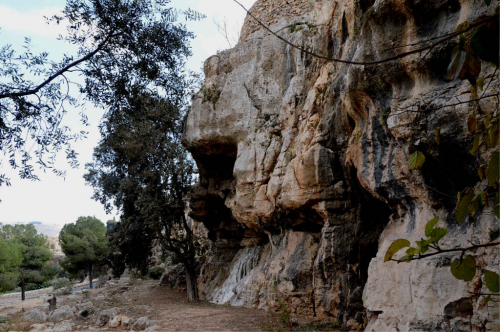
(10, 261)
(141, 167)
(33, 267)
(125, 48)
(85, 245)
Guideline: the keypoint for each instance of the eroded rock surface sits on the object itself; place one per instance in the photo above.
(304, 179)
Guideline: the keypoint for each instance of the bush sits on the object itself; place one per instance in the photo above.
(32, 286)
(155, 272)
(60, 283)
(65, 291)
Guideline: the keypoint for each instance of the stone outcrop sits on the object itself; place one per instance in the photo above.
(304, 180)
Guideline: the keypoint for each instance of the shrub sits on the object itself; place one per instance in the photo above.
(155, 272)
(60, 283)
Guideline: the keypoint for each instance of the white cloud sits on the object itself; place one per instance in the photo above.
(32, 23)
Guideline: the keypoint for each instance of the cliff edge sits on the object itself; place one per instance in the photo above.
(304, 178)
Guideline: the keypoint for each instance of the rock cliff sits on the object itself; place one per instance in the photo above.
(304, 180)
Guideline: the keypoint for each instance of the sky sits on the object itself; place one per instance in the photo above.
(58, 200)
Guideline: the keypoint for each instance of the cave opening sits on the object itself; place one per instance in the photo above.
(374, 215)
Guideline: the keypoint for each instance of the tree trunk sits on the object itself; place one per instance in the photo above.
(191, 283)
(90, 276)
(23, 289)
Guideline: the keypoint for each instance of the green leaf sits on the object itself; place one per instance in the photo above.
(472, 121)
(492, 169)
(475, 144)
(473, 207)
(437, 134)
(480, 83)
(412, 251)
(493, 134)
(423, 245)
(416, 160)
(406, 258)
(492, 281)
(473, 92)
(462, 26)
(395, 247)
(465, 270)
(480, 172)
(430, 225)
(486, 300)
(463, 204)
(437, 234)
(487, 120)
(487, 2)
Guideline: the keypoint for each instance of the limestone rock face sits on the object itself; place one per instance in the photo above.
(304, 179)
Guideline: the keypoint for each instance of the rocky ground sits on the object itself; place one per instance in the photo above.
(135, 306)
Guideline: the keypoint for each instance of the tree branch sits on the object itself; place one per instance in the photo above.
(361, 63)
(402, 111)
(442, 251)
(59, 72)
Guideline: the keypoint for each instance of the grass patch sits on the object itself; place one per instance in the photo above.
(211, 94)
(298, 26)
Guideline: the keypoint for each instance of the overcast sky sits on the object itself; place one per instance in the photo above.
(56, 200)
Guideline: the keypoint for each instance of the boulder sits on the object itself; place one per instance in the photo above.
(104, 316)
(35, 315)
(41, 327)
(63, 326)
(126, 321)
(115, 322)
(142, 324)
(63, 313)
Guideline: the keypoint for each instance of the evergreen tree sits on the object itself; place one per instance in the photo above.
(85, 245)
(35, 267)
(10, 261)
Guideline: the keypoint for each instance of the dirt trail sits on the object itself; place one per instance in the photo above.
(174, 313)
(169, 309)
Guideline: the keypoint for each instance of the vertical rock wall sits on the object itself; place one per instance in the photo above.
(304, 180)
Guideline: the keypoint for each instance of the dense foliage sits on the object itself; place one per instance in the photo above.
(85, 245)
(27, 258)
(141, 167)
(125, 48)
(10, 260)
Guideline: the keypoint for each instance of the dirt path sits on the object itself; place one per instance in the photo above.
(174, 313)
(167, 307)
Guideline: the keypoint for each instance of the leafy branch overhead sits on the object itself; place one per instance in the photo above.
(124, 48)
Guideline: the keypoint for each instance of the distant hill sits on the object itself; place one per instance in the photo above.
(48, 229)
(45, 229)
